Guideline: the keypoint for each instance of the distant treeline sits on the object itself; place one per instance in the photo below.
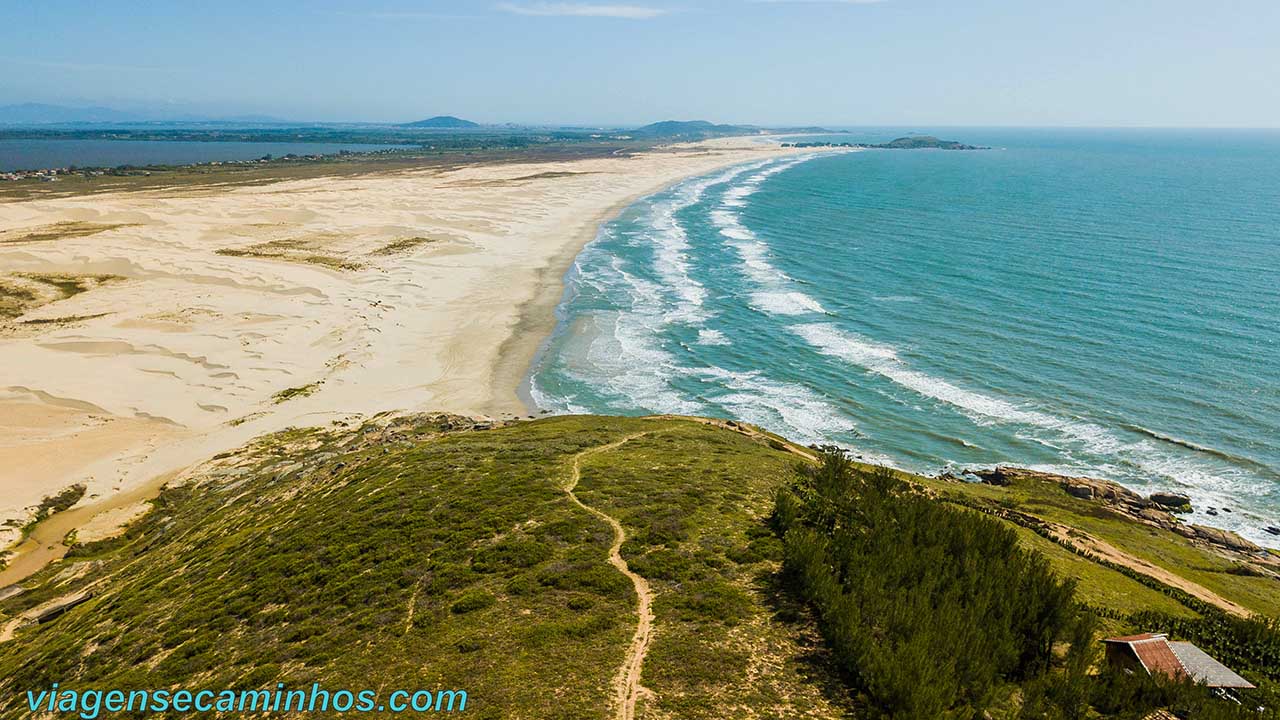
(437, 139)
(932, 610)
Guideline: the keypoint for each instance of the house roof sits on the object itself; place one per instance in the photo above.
(1204, 669)
(1157, 657)
(1179, 659)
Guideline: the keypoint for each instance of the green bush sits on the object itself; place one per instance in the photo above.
(925, 606)
(472, 601)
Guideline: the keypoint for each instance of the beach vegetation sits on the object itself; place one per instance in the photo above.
(297, 392)
(22, 292)
(403, 245)
(59, 231)
(55, 503)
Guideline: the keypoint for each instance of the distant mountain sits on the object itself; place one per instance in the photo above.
(691, 129)
(697, 129)
(39, 114)
(443, 121)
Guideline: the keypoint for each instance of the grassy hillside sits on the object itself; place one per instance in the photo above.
(426, 552)
(402, 556)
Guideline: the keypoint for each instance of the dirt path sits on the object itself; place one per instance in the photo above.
(1111, 553)
(6, 632)
(626, 685)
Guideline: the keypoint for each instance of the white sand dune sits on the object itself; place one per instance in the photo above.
(192, 346)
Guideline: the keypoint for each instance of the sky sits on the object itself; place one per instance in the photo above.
(624, 62)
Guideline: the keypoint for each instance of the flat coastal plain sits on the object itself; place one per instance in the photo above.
(147, 331)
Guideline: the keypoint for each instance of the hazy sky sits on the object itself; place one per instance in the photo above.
(850, 62)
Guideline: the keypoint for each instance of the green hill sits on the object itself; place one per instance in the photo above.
(691, 129)
(435, 552)
(443, 122)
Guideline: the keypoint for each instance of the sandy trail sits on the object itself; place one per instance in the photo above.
(626, 685)
(237, 311)
(1107, 551)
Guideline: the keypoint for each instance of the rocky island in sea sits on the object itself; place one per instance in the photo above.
(911, 142)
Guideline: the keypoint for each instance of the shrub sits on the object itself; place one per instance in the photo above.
(925, 606)
(472, 601)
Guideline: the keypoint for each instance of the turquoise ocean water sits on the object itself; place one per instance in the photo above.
(1085, 302)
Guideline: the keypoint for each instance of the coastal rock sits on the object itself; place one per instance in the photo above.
(1173, 501)
(1158, 517)
(998, 475)
(1080, 490)
(1225, 538)
(1156, 510)
(1081, 487)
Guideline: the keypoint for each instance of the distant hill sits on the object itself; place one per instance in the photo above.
(691, 129)
(38, 114)
(443, 121)
(697, 129)
(919, 142)
(913, 142)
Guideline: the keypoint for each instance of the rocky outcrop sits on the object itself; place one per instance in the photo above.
(1214, 536)
(1176, 502)
(1155, 510)
(1082, 487)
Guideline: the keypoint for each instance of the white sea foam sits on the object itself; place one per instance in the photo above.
(671, 245)
(791, 409)
(776, 293)
(1209, 483)
(707, 336)
(785, 303)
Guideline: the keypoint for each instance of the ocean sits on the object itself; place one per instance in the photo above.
(1086, 302)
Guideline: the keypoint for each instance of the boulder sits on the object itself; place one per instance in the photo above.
(1172, 501)
(1224, 538)
(998, 475)
(1080, 490)
(1158, 517)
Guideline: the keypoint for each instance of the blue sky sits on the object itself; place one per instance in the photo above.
(891, 62)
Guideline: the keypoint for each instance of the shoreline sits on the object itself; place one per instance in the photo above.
(218, 330)
(538, 321)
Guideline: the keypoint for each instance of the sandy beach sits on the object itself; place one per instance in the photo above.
(218, 314)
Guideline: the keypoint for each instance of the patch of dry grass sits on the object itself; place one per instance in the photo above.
(22, 292)
(59, 231)
(403, 245)
(301, 250)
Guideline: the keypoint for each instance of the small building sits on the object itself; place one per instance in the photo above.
(1155, 653)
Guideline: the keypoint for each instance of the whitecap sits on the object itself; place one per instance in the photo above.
(712, 337)
(1142, 462)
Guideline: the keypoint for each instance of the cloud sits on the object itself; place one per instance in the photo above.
(564, 9)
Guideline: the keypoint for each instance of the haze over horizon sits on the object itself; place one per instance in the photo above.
(768, 62)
